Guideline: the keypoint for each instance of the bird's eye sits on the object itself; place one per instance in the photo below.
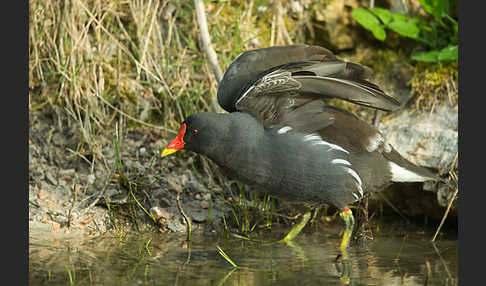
(195, 132)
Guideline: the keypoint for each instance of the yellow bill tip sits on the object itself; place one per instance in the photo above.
(168, 151)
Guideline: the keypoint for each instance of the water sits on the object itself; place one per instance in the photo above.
(408, 258)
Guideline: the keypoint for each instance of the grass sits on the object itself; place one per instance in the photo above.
(69, 274)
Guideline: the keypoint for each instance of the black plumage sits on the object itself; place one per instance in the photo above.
(280, 136)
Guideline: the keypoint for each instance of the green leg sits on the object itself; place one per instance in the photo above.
(347, 216)
(296, 229)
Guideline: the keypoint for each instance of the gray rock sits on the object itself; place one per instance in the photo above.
(67, 172)
(206, 197)
(199, 215)
(196, 187)
(176, 226)
(426, 139)
(90, 179)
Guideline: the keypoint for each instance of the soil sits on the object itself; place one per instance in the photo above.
(70, 195)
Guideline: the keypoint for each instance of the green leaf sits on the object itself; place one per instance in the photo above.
(399, 17)
(431, 56)
(379, 33)
(449, 53)
(370, 22)
(405, 28)
(437, 8)
(385, 15)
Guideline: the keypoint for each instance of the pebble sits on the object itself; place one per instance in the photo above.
(173, 184)
(199, 216)
(142, 151)
(196, 187)
(90, 179)
(206, 197)
(176, 226)
(67, 172)
(204, 204)
(159, 213)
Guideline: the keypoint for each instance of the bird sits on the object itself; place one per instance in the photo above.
(280, 134)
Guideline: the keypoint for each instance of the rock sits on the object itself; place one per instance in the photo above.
(176, 226)
(173, 183)
(199, 216)
(206, 197)
(90, 179)
(159, 213)
(196, 187)
(67, 172)
(426, 139)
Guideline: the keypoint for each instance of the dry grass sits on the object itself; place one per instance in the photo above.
(102, 61)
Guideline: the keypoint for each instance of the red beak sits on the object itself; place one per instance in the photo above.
(176, 144)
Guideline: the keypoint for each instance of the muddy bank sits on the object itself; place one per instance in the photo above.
(70, 192)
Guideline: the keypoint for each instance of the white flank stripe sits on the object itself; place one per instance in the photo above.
(341, 161)
(360, 189)
(354, 174)
(356, 196)
(331, 146)
(400, 174)
(318, 141)
(312, 137)
(284, 129)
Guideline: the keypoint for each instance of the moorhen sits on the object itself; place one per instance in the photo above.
(280, 136)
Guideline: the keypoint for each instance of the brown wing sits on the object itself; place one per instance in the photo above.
(285, 85)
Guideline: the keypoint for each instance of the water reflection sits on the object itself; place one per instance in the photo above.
(165, 259)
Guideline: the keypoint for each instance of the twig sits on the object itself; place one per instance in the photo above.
(453, 176)
(445, 214)
(75, 198)
(206, 39)
(186, 218)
